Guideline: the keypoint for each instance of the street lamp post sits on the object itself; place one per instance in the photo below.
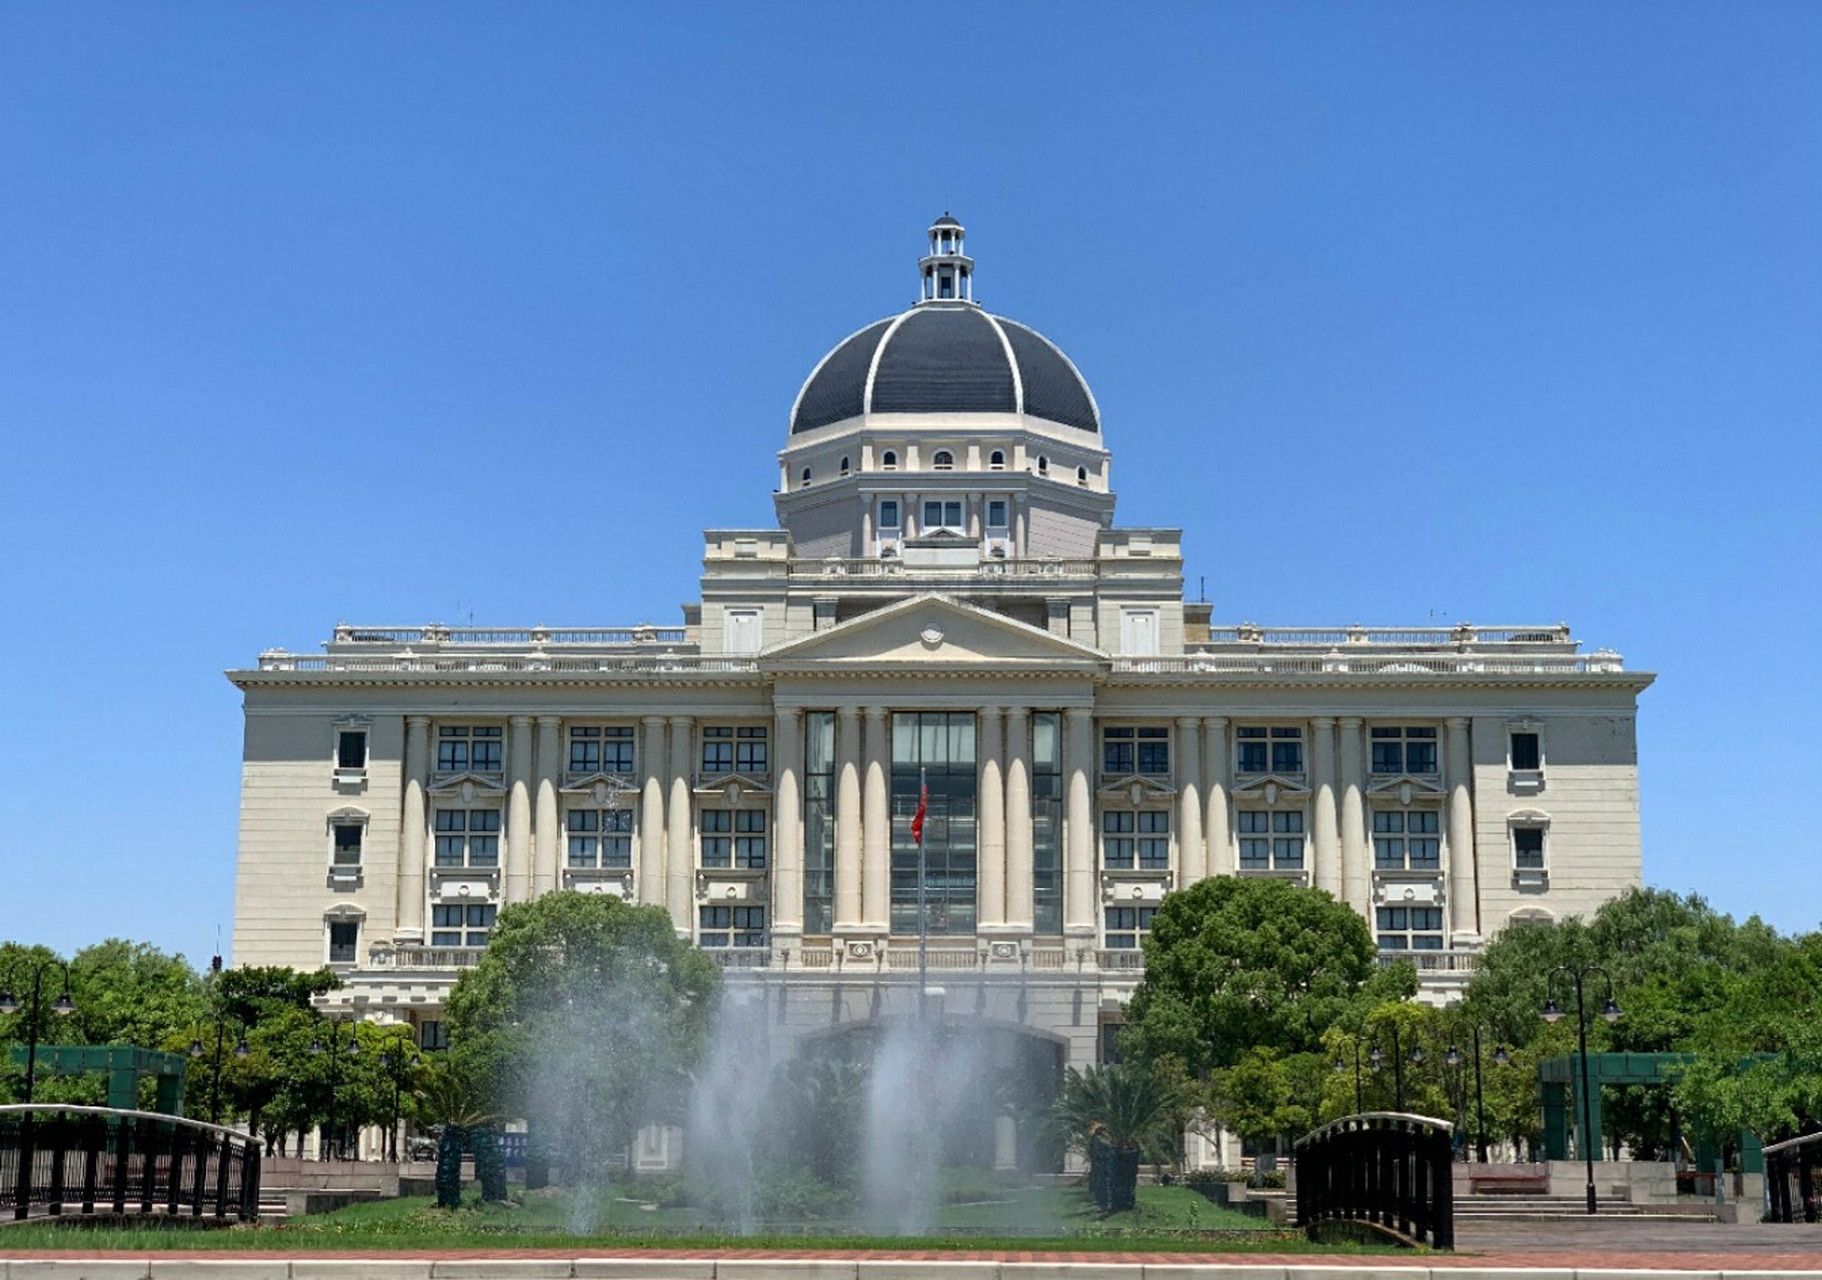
(241, 1050)
(396, 1061)
(1377, 1058)
(354, 1048)
(1341, 1065)
(1551, 1012)
(63, 1006)
(1500, 1058)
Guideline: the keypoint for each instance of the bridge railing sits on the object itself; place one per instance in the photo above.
(58, 1160)
(1793, 1178)
(1383, 1168)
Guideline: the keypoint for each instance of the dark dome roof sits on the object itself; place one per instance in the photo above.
(945, 359)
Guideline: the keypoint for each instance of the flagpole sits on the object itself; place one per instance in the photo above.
(923, 924)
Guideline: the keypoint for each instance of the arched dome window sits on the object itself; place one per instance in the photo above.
(889, 460)
(1081, 475)
(943, 461)
(997, 460)
(1043, 465)
(845, 468)
(805, 482)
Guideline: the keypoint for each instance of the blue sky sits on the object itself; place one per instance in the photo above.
(402, 313)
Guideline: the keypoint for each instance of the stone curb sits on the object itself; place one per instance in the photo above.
(393, 1268)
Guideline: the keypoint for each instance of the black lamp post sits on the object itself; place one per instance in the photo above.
(334, 1050)
(1551, 1012)
(63, 1006)
(1377, 1059)
(1341, 1065)
(241, 1050)
(397, 1060)
(1501, 1058)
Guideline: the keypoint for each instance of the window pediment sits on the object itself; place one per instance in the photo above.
(1271, 787)
(1135, 789)
(468, 784)
(602, 788)
(733, 787)
(1406, 787)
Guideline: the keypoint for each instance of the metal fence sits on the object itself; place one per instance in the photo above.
(1386, 1169)
(1793, 1178)
(58, 1160)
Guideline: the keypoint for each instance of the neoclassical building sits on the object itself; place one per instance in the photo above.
(945, 594)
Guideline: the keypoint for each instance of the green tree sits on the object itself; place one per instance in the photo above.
(1257, 1098)
(1116, 1115)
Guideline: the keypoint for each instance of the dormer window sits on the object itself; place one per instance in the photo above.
(888, 461)
(844, 466)
(996, 461)
(943, 461)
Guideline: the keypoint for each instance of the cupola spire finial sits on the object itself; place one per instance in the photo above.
(946, 273)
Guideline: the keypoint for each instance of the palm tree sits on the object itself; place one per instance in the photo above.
(1115, 1115)
(449, 1100)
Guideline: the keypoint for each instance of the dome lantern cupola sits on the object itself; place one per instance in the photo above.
(946, 272)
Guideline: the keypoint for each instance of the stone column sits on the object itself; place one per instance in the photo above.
(516, 881)
(546, 825)
(1215, 825)
(651, 811)
(1322, 804)
(1463, 884)
(1192, 858)
(1019, 910)
(990, 908)
(412, 851)
(1356, 853)
(847, 819)
(876, 824)
(1079, 898)
(787, 827)
(679, 842)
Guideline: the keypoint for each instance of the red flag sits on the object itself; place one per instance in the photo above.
(917, 819)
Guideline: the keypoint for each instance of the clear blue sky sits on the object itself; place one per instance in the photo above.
(398, 313)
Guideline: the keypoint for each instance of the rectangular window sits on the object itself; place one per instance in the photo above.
(1270, 839)
(1407, 840)
(730, 926)
(1046, 822)
(348, 837)
(1139, 632)
(734, 838)
(1127, 927)
(1528, 848)
(465, 748)
(942, 746)
(344, 938)
(818, 821)
(1269, 748)
(1135, 839)
(743, 633)
(1527, 751)
(467, 837)
(1128, 749)
(1410, 928)
(1404, 749)
(433, 1035)
(351, 749)
(996, 514)
(888, 514)
(461, 924)
(942, 515)
(600, 838)
(601, 749)
(733, 749)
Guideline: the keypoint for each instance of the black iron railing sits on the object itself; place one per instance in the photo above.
(97, 1160)
(1382, 1168)
(1793, 1178)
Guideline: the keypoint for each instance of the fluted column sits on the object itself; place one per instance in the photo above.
(1356, 861)
(847, 819)
(651, 811)
(679, 842)
(1463, 880)
(517, 877)
(1322, 802)
(990, 908)
(1192, 858)
(412, 841)
(876, 824)
(787, 826)
(1079, 900)
(546, 824)
(1018, 906)
(1215, 833)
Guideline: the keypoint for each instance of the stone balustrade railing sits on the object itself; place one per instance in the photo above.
(988, 567)
(507, 637)
(1464, 633)
(1462, 962)
(1343, 663)
(644, 664)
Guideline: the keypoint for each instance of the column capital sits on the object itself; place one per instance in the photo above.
(1322, 722)
(418, 722)
(1076, 715)
(681, 722)
(519, 721)
(1189, 722)
(1017, 711)
(877, 713)
(1216, 723)
(1351, 722)
(652, 722)
(993, 711)
(1456, 722)
(549, 722)
(848, 712)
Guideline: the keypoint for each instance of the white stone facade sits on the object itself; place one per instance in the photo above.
(946, 591)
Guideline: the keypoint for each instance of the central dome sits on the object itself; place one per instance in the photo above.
(945, 358)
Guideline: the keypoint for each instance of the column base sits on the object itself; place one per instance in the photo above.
(1465, 940)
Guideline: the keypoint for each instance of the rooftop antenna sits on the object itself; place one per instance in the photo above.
(1202, 588)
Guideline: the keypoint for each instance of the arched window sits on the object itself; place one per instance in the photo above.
(943, 461)
(844, 467)
(1043, 465)
(889, 460)
(805, 482)
(1081, 475)
(997, 460)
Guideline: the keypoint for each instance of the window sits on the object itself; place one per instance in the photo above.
(1127, 926)
(1135, 837)
(344, 938)
(433, 1036)
(461, 924)
(730, 749)
(1269, 748)
(1410, 928)
(888, 514)
(600, 838)
(1407, 840)
(464, 748)
(1527, 750)
(1081, 475)
(743, 632)
(943, 460)
(1404, 749)
(351, 749)
(1128, 749)
(731, 926)
(468, 838)
(804, 481)
(996, 514)
(601, 749)
(940, 748)
(347, 843)
(1046, 821)
(888, 461)
(1139, 632)
(1528, 848)
(1271, 839)
(734, 838)
(845, 468)
(996, 461)
(818, 821)
(942, 515)
(1043, 465)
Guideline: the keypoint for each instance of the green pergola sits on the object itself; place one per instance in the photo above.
(125, 1066)
(1559, 1078)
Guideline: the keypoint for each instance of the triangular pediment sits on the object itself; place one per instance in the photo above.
(932, 630)
(1136, 788)
(602, 786)
(743, 784)
(1403, 783)
(1277, 783)
(479, 782)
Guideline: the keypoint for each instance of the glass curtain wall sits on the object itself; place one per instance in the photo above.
(818, 822)
(942, 745)
(1047, 822)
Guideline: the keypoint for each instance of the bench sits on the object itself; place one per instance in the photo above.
(1509, 1184)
